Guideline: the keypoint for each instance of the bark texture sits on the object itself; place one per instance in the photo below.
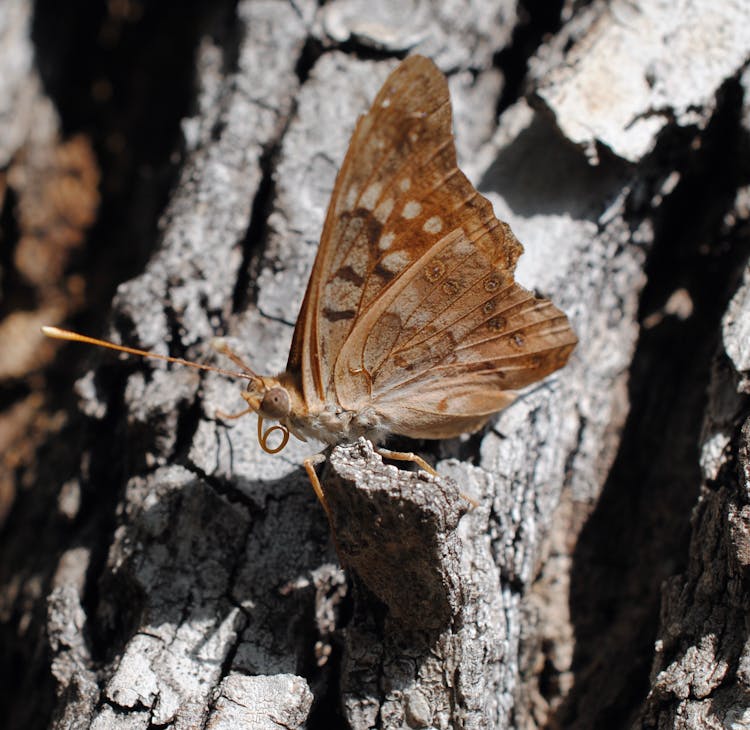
(581, 563)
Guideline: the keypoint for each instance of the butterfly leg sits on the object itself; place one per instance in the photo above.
(406, 456)
(310, 465)
(420, 462)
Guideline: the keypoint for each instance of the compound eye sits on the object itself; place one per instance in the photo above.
(276, 403)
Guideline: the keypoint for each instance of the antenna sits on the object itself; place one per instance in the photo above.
(61, 334)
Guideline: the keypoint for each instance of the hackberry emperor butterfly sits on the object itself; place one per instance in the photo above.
(412, 323)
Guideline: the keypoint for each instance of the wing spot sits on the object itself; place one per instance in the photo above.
(370, 197)
(352, 230)
(333, 315)
(411, 210)
(496, 324)
(347, 273)
(433, 225)
(386, 241)
(384, 210)
(394, 262)
(450, 287)
(403, 363)
(518, 340)
(464, 246)
(493, 283)
(383, 273)
(385, 103)
(405, 184)
(489, 306)
(434, 271)
(368, 225)
(343, 292)
(351, 198)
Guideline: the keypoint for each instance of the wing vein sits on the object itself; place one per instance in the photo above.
(412, 343)
(419, 376)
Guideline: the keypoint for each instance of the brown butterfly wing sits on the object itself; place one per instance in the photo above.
(398, 193)
(444, 347)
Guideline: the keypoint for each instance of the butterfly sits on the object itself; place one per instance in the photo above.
(412, 323)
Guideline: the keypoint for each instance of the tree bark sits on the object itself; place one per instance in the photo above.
(583, 562)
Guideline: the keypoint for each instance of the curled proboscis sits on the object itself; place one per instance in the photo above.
(263, 436)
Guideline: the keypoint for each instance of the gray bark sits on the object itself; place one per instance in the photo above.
(188, 579)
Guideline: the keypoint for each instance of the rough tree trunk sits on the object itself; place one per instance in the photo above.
(159, 569)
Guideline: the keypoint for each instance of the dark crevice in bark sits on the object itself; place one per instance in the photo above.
(537, 19)
(468, 448)
(228, 662)
(326, 710)
(12, 392)
(104, 441)
(17, 294)
(638, 534)
(254, 242)
(221, 22)
(364, 52)
(323, 680)
(308, 57)
(313, 49)
(187, 424)
(224, 488)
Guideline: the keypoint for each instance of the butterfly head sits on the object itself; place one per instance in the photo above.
(269, 399)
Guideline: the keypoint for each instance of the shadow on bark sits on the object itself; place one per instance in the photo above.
(637, 535)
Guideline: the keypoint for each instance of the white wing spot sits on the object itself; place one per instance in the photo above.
(395, 261)
(463, 246)
(351, 198)
(411, 210)
(384, 210)
(346, 294)
(351, 233)
(386, 103)
(433, 225)
(405, 184)
(370, 197)
(359, 261)
(385, 241)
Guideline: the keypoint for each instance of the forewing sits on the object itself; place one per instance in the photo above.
(398, 193)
